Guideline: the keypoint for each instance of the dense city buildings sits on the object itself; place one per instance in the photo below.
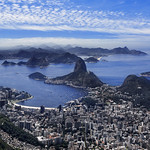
(96, 121)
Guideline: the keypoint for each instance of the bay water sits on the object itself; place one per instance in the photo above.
(112, 70)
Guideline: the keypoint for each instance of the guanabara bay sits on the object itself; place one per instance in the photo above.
(74, 75)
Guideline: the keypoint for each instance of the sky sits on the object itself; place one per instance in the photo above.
(86, 23)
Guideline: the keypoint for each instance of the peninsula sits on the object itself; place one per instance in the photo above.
(12, 95)
(145, 74)
(80, 77)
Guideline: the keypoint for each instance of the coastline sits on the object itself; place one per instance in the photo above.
(145, 75)
(16, 101)
(29, 107)
(33, 107)
(61, 82)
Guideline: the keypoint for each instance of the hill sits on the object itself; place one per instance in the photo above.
(138, 86)
(79, 77)
(37, 76)
(61, 52)
(133, 84)
(101, 51)
(4, 146)
(145, 74)
(7, 126)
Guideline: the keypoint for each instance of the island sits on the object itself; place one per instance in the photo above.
(64, 54)
(42, 57)
(37, 76)
(91, 60)
(133, 86)
(38, 57)
(7, 63)
(34, 61)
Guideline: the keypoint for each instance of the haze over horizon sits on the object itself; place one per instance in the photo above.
(86, 23)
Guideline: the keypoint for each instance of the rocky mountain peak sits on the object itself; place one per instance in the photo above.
(80, 66)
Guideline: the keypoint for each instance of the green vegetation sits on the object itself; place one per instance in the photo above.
(64, 145)
(16, 132)
(4, 146)
(89, 101)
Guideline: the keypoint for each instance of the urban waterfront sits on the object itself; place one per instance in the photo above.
(113, 71)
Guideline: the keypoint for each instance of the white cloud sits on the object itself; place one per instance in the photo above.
(34, 14)
(133, 42)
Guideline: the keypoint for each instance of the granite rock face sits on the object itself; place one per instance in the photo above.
(80, 76)
(80, 66)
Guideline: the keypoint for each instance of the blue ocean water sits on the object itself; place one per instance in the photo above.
(116, 68)
(113, 71)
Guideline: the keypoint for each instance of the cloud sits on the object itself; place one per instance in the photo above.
(133, 42)
(62, 15)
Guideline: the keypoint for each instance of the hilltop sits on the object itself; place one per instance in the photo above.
(38, 57)
(103, 51)
(79, 77)
(138, 87)
(48, 51)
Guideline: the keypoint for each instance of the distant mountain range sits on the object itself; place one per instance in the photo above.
(102, 51)
(31, 51)
(38, 57)
(45, 56)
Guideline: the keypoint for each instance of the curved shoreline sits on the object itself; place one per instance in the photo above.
(28, 107)
(47, 108)
(16, 101)
(33, 107)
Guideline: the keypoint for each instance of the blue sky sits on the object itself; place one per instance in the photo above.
(87, 23)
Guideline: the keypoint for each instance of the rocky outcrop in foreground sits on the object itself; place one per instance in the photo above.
(79, 77)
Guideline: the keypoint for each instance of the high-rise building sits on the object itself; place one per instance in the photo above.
(42, 109)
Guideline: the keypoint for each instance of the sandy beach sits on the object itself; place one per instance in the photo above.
(29, 107)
